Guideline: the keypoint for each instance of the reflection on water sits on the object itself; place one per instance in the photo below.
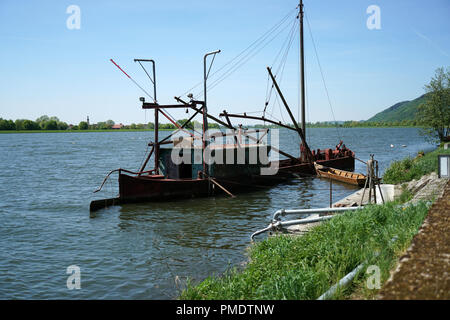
(139, 251)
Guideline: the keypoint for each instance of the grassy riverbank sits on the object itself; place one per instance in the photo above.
(413, 168)
(288, 267)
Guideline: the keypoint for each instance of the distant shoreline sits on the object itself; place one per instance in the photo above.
(80, 131)
(144, 130)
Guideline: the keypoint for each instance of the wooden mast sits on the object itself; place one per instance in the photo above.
(300, 132)
(156, 128)
(302, 69)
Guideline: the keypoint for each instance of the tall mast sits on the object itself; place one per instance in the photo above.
(156, 128)
(155, 102)
(302, 68)
(205, 105)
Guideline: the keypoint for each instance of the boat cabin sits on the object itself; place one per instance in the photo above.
(182, 161)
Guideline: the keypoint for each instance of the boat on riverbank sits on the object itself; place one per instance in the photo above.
(244, 165)
(356, 179)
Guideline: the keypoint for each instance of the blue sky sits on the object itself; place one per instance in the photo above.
(45, 68)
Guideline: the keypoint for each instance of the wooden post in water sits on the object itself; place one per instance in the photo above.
(372, 181)
(331, 193)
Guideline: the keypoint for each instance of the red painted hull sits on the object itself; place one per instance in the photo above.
(156, 188)
(137, 188)
(141, 188)
(287, 167)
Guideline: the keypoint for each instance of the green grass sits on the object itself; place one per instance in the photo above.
(408, 169)
(406, 194)
(287, 267)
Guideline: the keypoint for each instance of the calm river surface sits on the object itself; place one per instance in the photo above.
(137, 251)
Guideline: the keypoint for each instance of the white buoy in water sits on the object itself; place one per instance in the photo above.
(392, 145)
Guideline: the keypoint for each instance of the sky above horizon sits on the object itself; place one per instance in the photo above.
(47, 68)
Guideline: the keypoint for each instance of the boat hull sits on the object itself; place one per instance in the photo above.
(352, 178)
(287, 167)
(146, 188)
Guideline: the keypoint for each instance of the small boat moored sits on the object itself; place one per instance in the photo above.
(357, 179)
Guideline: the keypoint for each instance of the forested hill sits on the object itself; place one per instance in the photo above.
(405, 110)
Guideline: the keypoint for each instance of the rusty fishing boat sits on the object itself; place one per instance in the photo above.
(241, 155)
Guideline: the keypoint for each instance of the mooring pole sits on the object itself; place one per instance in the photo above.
(331, 193)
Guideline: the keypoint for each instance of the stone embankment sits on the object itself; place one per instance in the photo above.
(427, 188)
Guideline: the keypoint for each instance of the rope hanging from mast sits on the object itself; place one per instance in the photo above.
(245, 55)
(131, 79)
(323, 77)
(280, 69)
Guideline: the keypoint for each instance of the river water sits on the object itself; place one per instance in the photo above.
(143, 251)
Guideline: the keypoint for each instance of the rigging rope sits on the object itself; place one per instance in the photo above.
(146, 72)
(239, 64)
(172, 119)
(255, 43)
(132, 79)
(288, 43)
(144, 157)
(285, 42)
(281, 67)
(323, 78)
(265, 41)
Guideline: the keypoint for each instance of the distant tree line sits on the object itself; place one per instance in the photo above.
(53, 123)
(41, 123)
(351, 124)
(365, 124)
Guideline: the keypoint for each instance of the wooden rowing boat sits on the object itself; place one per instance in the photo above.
(357, 179)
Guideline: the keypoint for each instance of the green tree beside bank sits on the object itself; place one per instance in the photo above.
(435, 112)
(50, 125)
(7, 124)
(24, 124)
(41, 123)
(83, 125)
(30, 125)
